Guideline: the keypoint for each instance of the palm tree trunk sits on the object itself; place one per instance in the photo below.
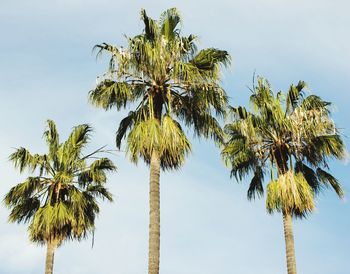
(154, 215)
(51, 246)
(289, 239)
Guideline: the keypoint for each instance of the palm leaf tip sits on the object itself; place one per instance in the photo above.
(256, 189)
(207, 59)
(151, 26)
(330, 181)
(169, 20)
(100, 48)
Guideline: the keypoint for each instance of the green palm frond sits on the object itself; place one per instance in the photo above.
(188, 47)
(52, 138)
(79, 137)
(239, 113)
(327, 179)
(30, 187)
(313, 102)
(23, 159)
(187, 72)
(96, 172)
(169, 20)
(291, 194)
(110, 94)
(51, 222)
(143, 138)
(126, 124)
(100, 191)
(24, 210)
(174, 145)
(71, 149)
(207, 60)
(105, 47)
(294, 96)
(330, 145)
(310, 176)
(151, 26)
(256, 188)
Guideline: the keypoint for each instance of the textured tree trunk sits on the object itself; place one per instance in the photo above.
(51, 246)
(154, 216)
(289, 239)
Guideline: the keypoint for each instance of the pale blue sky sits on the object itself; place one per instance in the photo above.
(207, 225)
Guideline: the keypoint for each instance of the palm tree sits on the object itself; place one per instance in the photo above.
(169, 82)
(60, 201)
(290, 137)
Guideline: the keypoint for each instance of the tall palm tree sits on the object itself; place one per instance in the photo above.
(288, 138)
(60, 201)
(169, 82)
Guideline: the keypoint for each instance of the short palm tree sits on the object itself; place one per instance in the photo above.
(288, 138)
(169, 82)
(60, 201)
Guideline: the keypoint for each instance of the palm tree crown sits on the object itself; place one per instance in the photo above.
(289, 136)
(169, 81)
(59, 203)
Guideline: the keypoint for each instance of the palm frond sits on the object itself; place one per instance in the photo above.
(314, 102)
(105, 47)
(327, 179)
(169, 20)
(291, 194)
(151, 26)
(109, 94)
(24, 210)
(143, 138)
(174, 145)
(209, 59)
(52, 138)
(30, 187)
(96, 172)
(294, 96)
(100, 191)
(23, 159)
(71, 149)
(256, 188)
(323, 146)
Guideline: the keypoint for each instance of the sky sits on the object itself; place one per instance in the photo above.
(207, 225)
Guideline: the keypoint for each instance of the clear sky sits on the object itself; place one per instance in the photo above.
(207, 225)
